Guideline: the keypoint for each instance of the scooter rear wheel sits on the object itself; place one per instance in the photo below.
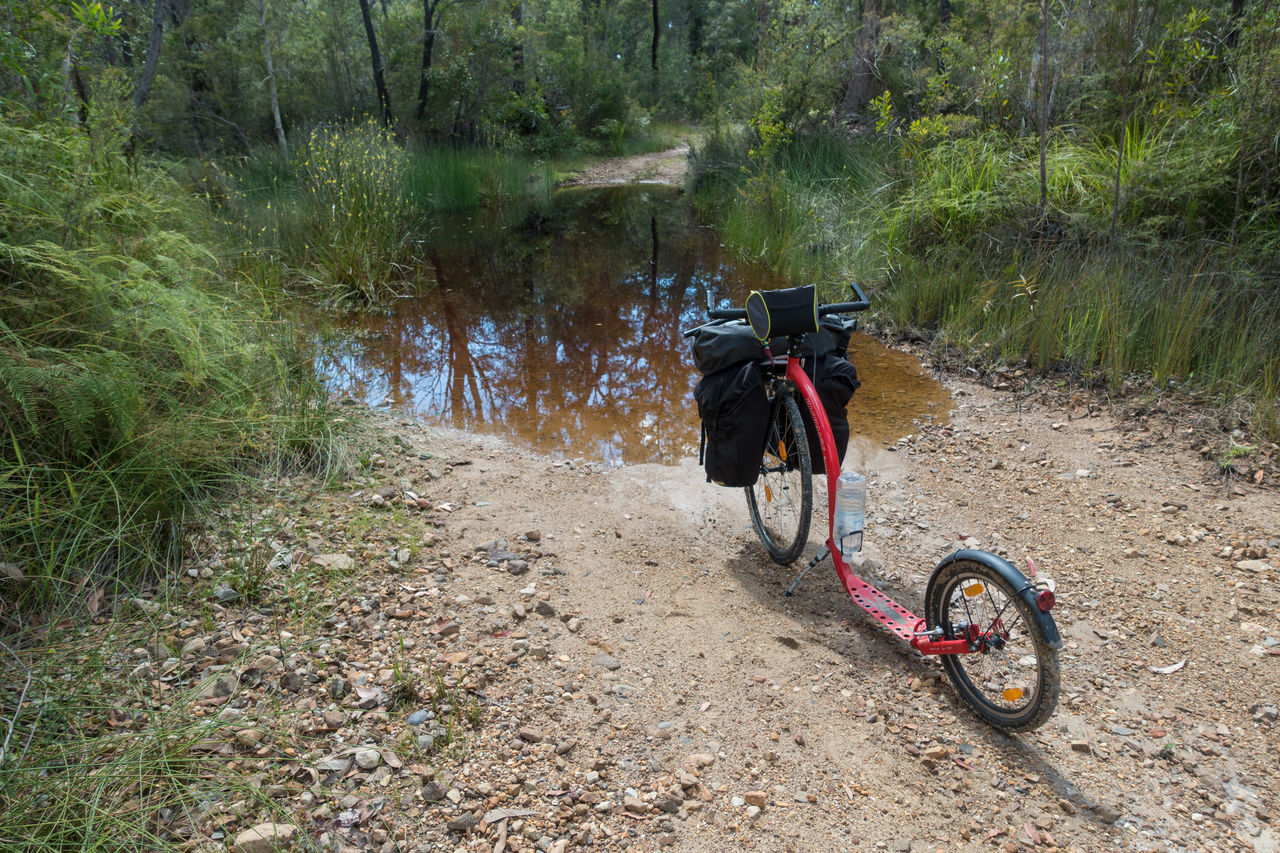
(1012, 680)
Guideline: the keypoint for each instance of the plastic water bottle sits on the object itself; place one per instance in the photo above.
(851, 512)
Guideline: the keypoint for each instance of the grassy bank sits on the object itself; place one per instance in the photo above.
(955, 243)
(348, 216)
(142, 380)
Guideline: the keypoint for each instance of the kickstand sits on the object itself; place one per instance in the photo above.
(817, 558)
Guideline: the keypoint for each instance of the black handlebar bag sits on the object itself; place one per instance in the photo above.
(777, 313)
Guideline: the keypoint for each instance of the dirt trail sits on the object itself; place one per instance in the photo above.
(663, 648)
(662, 167)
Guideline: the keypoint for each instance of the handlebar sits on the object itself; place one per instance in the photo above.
(861, 304)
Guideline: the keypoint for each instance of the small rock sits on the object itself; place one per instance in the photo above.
(1106, 812)
(901, 845)
(1067, 806)
(1265, 713)
(463, 823)
(544, 608)
(265, 838)
(339, 562)
(669, 803)
(529, 734)
(702, 759)
(142, 605)
(755, 798)
(250, 738)
(607, 661)
(9, 571)
(533, 535)
(635, 805)
(417, 718)
(292, 682)
(517, 567)
(367, 759)
(753, 812)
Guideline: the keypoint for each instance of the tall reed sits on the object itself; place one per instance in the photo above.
(954, 236)
(133, 378)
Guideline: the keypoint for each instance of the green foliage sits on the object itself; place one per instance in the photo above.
(965, 251)
(132, 378)
(443, 180)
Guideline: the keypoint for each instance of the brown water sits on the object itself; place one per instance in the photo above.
(560, 329)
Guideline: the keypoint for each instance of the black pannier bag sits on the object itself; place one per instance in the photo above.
(836, 381)
(735, 422)
(735, 409)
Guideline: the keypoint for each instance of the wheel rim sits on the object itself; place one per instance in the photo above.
(778, 496)
(1006, 674)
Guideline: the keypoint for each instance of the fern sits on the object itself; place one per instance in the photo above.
(134, 378)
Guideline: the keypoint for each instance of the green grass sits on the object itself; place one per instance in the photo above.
(954, 237)
(101, 759)
(135, 380)
(447, 180)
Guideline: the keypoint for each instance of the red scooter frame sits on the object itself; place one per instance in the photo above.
(898, 619)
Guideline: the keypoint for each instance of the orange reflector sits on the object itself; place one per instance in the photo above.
(974, 589)
(768, 495)
(1012, 694)
(782, 451)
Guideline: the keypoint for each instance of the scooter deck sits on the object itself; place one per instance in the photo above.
(882, 608)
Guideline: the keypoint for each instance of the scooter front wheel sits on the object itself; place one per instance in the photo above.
(1011, 678)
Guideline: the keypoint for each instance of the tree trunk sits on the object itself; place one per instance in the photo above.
(517, 50)
(862, 80)
(1044, 104)
(428, 45)
(944, 12)
(154, 40)
(271, 78)
(653, 48)
(384, 99)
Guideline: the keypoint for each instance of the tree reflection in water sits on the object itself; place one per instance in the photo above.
(561, 329)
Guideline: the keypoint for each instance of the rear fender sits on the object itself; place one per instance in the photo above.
(1016, 579)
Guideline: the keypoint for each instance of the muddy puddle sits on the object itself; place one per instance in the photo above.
(560, 329)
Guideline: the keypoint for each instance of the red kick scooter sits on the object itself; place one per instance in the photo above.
(989, 624)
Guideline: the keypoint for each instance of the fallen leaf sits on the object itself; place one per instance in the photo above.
(93, 602)
(1031, 568)
(1170, 669)
(1031, 833)
(393, 761)
(1258, 475)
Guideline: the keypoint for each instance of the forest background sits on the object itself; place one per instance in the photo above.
(1086, 190)
(1091, 190)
